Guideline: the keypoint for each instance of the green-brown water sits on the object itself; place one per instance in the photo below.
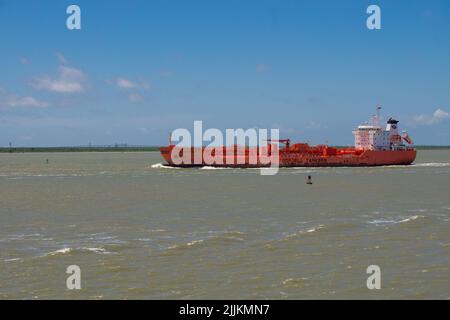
(146, 232)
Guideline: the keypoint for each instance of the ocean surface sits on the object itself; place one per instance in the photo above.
(139, 230)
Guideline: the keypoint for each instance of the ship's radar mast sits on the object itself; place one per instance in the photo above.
(376, 118)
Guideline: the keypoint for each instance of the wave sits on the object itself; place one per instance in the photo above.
(270, 243)
(186, 245)
(302, 232)
(60, 251)
(411, 219)
(314, 229)
(385, 221)
(162, 166)
(310, 169)
(25, 237)
(218, 237)
(226, 233)
(294, 282)
(11, 260)
(432, 164)
(382, 221)
(158, 230)
(98, 250)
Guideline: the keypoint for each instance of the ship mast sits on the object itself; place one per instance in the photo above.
(378, 116)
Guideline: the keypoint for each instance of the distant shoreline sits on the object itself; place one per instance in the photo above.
(76, 149)
(126, 149)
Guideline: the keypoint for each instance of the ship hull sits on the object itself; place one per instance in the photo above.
(287, 158)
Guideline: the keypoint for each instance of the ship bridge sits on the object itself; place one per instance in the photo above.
(372, 136)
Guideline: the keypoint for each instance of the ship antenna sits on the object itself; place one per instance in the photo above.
(377, 117)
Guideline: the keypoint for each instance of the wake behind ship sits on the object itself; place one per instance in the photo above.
(374, 146)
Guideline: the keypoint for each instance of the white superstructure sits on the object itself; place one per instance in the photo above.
(369, 137)
(373, 137)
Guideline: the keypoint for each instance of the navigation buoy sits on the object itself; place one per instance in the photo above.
(46, 160)
(309, 180)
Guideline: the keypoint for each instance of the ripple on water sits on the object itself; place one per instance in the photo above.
(218, 238)
(391, 221)
(68, 250)
(291, 236)
(295, 282)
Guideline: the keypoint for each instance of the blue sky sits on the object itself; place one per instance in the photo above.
(139, 69)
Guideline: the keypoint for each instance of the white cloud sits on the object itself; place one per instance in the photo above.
(124, 83)
(135, 97)
(61, 58)
(9, 100)
(26, 102)
(67, 80)
(438, 116)
(130, 85)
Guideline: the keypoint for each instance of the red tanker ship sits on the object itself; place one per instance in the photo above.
(374, 146)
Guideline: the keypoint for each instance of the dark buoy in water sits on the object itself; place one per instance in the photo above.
(46, 160)
(309, 180)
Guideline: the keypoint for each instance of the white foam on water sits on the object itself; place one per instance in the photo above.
(432, 164)
(220, 237)
(158, 230)
(225, 232)
(382, 221)
(321, 226)
(162, 166)
(24, 237)
(11, 260)
(194, 242)
(411, 219)
(294, 282)
(62, 251)
(213, 168)
(97, 250)
(308, 169)
(287, 237)
(186, 245)
(385, 221)
(104, 239)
